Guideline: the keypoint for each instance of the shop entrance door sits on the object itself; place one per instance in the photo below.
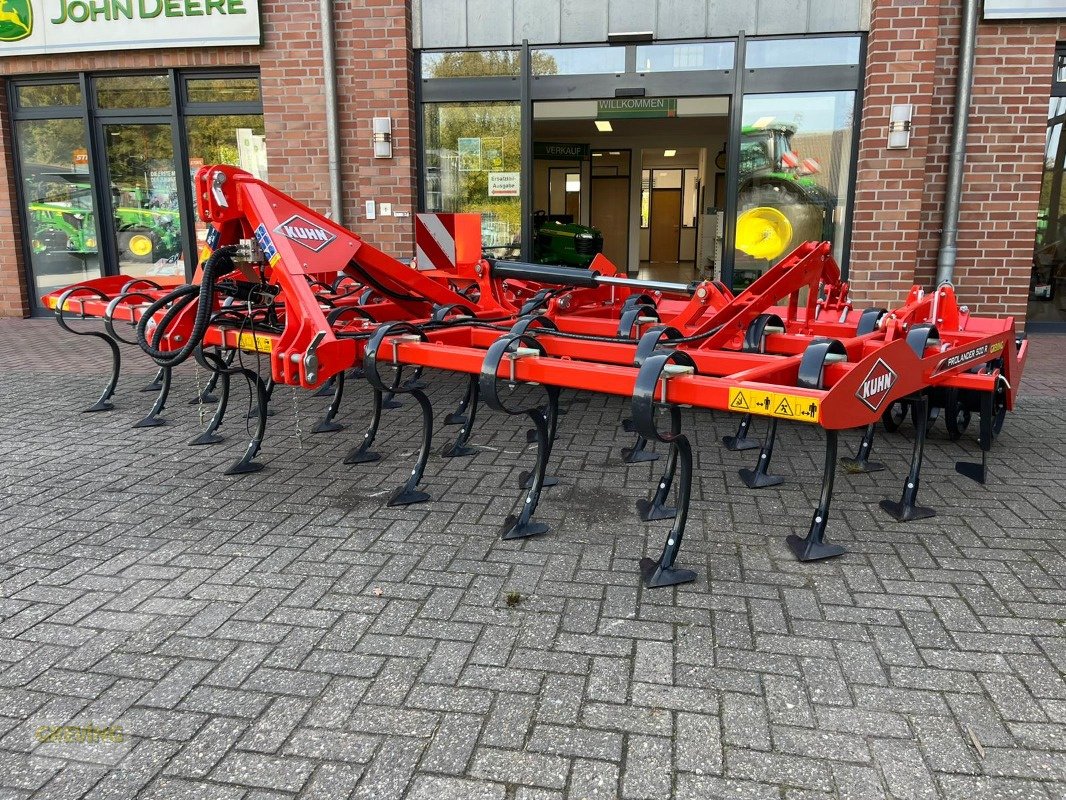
(144, 212)
(665, 225)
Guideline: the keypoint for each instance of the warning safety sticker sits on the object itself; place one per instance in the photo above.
(259, 344)
(774, 404)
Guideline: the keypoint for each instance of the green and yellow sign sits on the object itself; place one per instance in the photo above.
(636, 108)
(16, 20)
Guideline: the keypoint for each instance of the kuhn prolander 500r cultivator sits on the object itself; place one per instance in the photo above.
(322, 304)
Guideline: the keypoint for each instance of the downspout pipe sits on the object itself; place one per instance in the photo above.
(333, 140)
(945, 263)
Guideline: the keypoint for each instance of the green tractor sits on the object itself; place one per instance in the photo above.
(566, 243)
(779, 203)
(62, 221)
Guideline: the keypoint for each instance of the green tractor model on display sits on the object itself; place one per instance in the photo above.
(565, 243)
(779, 204)
(62, 222)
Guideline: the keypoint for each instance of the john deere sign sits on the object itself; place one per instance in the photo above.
(36, 27)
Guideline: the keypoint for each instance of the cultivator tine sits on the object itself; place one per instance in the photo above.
(389, 401)
(409, 493)
(814, 546)
(460, 446)
(156, 383)
(153, 420)
(968, 469)
(514, 346)
(906, 509)
(268, 392)
(104, 403)
(220, 374)
(326, 389)
(361, 453)
(741, 440)
(653, 370)
(245, 463)
(637, 454)
(458, 417)
(551, 414)
(326, 424)
(862, 463)
(759, 478)
(656, 508)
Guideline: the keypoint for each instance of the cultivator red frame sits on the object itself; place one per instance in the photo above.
(322, 304)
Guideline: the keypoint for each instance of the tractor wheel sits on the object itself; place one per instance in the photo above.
(138, 244)
(805, 218)
(894, 416)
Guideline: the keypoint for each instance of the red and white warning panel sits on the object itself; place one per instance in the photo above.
(445, 242)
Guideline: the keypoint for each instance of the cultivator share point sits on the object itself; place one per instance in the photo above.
(323, 307)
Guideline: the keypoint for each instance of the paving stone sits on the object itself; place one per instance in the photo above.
(232, 626)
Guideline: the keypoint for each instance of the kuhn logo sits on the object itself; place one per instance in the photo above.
(875, 386)
(311, 236)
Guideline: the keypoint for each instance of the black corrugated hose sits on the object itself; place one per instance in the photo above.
(218, 263)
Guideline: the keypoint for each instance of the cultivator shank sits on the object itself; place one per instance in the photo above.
(323, 306)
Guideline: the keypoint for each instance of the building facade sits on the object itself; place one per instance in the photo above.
(701, 137)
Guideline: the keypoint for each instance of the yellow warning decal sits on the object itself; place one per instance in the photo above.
(249, 341)
(775, 404)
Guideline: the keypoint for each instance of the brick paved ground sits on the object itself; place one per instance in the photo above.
(286, 635)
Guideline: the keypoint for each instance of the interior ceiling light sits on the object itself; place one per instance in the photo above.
(669, 153)
(615, 152)
(597, 154)
(604, 126)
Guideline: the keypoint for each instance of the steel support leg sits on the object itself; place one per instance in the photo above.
(409, 493)
(104, 403)
(759, 478)
(326, 424)
(268, 388)
(814, 546)
(907, 509)
(551, 419)
(741, 440)
(969, 469)
(460, 446)
(361, 453)
(657, 574)
(153, 419)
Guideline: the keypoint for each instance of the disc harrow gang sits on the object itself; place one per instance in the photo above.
(281, 286)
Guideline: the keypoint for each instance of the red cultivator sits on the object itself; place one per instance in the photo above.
(322, 304)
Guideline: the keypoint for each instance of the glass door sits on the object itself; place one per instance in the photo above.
(143, 194)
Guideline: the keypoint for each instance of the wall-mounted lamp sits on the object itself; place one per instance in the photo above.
(382, 137)
(899, 126)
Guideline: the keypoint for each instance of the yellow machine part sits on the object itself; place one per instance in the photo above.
(140, 245)
(763, 232)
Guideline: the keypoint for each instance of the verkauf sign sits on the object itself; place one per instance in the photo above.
(40, 27)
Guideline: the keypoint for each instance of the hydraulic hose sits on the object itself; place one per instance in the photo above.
(219, 263)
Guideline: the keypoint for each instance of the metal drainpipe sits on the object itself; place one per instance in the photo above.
(333, 141)
(945, 265)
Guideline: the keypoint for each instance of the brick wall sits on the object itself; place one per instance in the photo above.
(374, 77)
(900, 194)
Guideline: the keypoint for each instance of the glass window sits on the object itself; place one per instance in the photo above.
(471, 64)
(795, 164)
(44, 95)
(682, 57)
(225, 139)
(1047, 287)
(223, 90)
(831, 50)
(144, 198)
(472, 160)
(57, 192)
(133, 91)
(579, 61)
(691, 198)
